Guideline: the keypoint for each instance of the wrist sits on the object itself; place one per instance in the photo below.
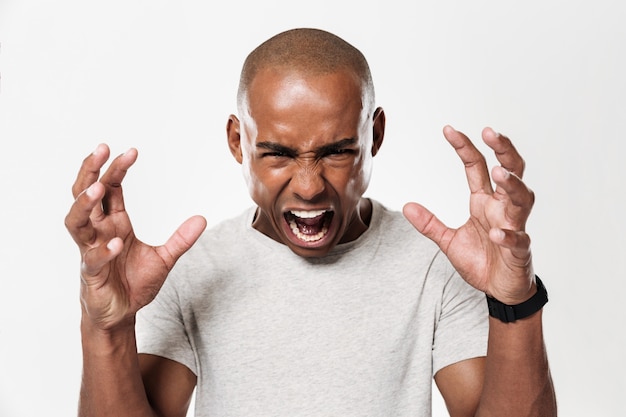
(107, 340)
(508, 313)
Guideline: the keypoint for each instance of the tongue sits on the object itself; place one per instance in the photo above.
(310, 226)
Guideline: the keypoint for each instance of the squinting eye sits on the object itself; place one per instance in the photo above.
(339, 152)
(274, 154)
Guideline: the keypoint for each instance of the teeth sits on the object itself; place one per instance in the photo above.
(303, 214)
(307, 238)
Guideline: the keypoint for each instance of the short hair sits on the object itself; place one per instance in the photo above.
(310, 51)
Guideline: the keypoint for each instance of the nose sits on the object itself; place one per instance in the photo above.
(308, 182)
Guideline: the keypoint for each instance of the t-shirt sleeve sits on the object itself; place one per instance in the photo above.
(463, 325)
(161, 331)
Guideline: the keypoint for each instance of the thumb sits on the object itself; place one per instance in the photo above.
(428, 224)
(183, 238)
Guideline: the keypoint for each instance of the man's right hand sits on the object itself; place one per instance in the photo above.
(119, 273)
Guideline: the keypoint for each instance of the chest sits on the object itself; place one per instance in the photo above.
(326, 335)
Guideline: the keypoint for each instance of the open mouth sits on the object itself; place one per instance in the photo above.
(309, 225)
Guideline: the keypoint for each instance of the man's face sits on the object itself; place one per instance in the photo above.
(306, 145)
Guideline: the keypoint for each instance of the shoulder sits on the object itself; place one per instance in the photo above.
(222, 239)
(394, 230)
(219, 247)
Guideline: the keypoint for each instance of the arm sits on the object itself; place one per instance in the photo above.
(491, 251)
(119, 275)
(515, 375)
(116, 381)
(169, 385)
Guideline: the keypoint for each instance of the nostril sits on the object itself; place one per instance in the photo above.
(308, 185)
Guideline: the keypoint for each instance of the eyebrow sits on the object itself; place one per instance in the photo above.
(322, 150)
(278, 148)
(335, 146)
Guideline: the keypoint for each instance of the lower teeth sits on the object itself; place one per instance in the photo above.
(307, 238)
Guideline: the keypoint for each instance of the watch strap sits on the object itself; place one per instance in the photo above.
(510, 313)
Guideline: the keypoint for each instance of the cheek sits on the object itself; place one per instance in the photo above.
(263, 184)
(360, 176)
(256, 187)
(248, 175)
(366, 171)
(351, 181)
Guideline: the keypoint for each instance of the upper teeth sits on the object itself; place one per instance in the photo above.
(303, 214)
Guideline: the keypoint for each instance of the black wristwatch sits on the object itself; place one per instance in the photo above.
(510, 313)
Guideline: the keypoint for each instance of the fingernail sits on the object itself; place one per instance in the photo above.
(490, 130)
(499, 234)
(97, 150)
(128, 150)
(89, 191)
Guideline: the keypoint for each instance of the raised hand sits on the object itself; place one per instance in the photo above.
(119, 273)
(491, 251)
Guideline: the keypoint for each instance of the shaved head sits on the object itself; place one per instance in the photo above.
(307, 138)
(309, 52)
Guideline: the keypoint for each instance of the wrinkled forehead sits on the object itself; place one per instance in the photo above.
(303, 110)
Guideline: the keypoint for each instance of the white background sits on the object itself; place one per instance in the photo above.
(161, 76)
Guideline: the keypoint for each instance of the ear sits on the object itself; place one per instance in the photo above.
(379, 130)
(233, 136)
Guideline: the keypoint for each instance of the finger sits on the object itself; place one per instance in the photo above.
(96, 258)
(90, 169)
(428, 224)
(113, 200)
(79, 219)
(512, 186)
(517, 242)
(516, 198)
(505, 152)
(475, 166)
(182, 239)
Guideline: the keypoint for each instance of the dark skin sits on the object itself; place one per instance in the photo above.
(119, 275)
(306, 143)
(307, 146)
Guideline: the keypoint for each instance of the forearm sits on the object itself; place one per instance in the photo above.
(111, 383)
(517, 375)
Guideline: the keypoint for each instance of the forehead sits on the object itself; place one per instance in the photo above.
(283, 102)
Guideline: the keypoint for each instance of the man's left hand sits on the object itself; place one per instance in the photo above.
(491, 251)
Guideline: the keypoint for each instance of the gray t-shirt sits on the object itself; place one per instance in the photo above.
(360, 332)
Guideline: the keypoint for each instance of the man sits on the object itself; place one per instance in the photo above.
(317, 301)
